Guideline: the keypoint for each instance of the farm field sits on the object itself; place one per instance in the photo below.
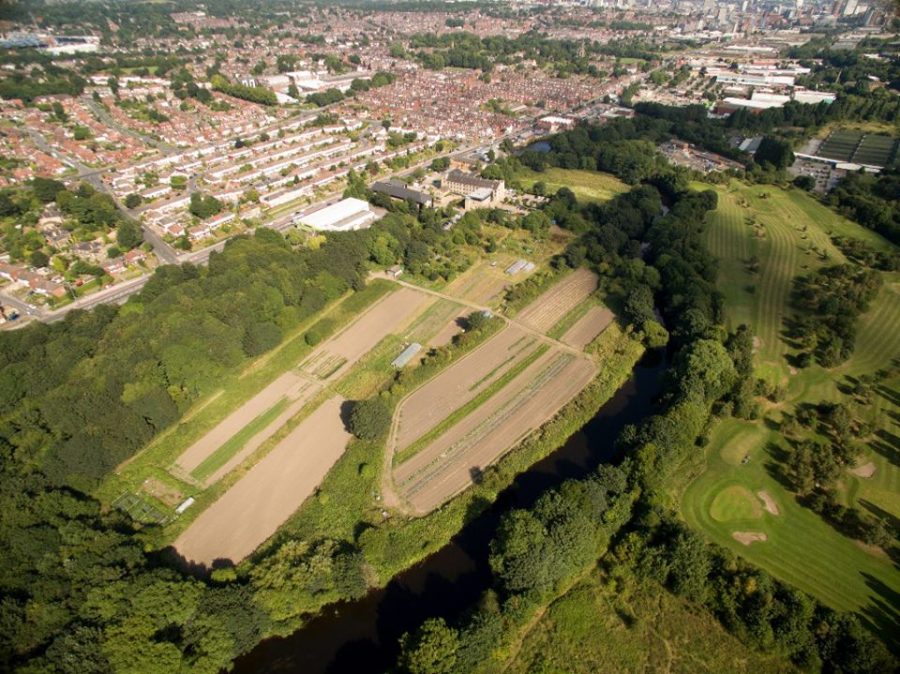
(451, 328)
(389, 315)
(459, 383)
(551, 306)
(288, 387)
(588, 186)
(453, 460)
(270, 492)
(586, 329)
(738, 498)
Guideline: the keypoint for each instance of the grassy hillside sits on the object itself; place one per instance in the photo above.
(631, 626)
(787, 233)
(588, 186)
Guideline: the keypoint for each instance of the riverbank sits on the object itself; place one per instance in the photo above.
(361, 635)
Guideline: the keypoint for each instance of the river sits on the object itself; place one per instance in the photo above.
(361, 636)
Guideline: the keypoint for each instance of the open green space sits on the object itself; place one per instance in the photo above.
(764, 237)
(588, 186)
(627, 625)
(801, 548)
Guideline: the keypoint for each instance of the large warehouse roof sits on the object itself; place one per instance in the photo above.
(345, 215)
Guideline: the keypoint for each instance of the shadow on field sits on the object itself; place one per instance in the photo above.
(888, 445)
(888, 394)
(346, 410)
(776, 467)
(170, 556)
(882, 615)
(882, 514)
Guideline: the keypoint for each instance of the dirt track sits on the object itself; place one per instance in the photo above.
(385, 317)
(547, 310)
(459, 383)
(453, 461)
(288, 385)
(586, 328)
(260, 502)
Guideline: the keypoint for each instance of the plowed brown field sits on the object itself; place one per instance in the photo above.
(260, 502)
(385, 317)
(547, 310)
(288, 385)
(459, 383)
(586, 328)
(454, 460)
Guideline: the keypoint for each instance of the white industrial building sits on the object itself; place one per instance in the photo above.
(345, 215)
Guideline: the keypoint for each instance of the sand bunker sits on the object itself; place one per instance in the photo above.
(768, 502)
(748, 537)
(864, 471)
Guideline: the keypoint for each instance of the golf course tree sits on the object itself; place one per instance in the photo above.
(830, 301)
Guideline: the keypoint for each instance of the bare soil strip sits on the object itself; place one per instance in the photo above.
(289, 385)
(260, 502)
(748, 537)
(768, 502)
(587, 328)
(456, 458)
(459, 383)
(257, 440)
(385, 317)
(546, 311)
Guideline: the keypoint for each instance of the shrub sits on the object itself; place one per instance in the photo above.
(370, 419)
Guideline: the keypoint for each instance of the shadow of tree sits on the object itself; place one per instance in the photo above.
(883, 614)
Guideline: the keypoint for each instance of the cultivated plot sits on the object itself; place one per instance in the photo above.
(456, 458)
(216, 447)
(482, 284)
(264, 498)
(544, 312)
(460, 383)
(387, 316)
(587, 328)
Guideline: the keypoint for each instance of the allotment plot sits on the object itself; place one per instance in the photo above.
(217, 448)
(454, 460)
(263, 499)
(385, 317)
(587, 328)
(460, 383)
(547, 310)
